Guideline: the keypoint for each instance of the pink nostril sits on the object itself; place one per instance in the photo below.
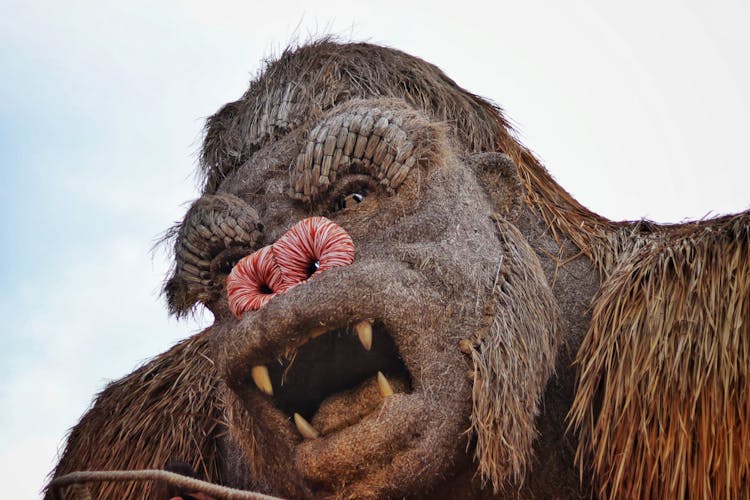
(313, 244)
(253, 281)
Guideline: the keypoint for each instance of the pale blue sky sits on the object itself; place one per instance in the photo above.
(638, 109)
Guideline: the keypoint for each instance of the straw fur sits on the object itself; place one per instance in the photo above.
(663, 400)
(305, 81)
(507, 388)
(168, 409)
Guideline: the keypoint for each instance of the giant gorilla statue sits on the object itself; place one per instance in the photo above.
(406, 304)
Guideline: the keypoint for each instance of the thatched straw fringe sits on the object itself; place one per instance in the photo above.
(591, 233)
(663, 402)
(512, 363)
(79, 492)
(166, 410)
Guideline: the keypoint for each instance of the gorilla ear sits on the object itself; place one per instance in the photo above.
(499, 177)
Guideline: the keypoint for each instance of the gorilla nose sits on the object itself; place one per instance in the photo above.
(313, 245)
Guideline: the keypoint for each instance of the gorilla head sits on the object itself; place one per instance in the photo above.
(444, 297)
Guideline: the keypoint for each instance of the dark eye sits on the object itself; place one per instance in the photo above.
(352, 190)
(350, 200)
(226, 259)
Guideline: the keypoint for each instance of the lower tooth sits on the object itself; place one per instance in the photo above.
(304, 427)
(383, 386)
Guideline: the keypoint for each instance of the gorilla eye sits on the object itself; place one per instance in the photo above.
(312, 268)
(350, 200)
(350, 191)
(225, 265)
(226, 260)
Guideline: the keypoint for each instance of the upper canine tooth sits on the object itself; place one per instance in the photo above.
(262, 379)
(383, 386)
(364, 332)
(317, 331)
(304, 427)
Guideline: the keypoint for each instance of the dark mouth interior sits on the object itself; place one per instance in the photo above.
(329, 364)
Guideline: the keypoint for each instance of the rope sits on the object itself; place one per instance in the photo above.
(188, 483)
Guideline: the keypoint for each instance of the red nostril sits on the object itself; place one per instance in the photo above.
(253, 281)
(313, 244)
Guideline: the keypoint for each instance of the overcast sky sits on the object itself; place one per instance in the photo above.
(639, 109)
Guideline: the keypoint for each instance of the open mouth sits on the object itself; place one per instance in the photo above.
(336, 377)
(356, 380)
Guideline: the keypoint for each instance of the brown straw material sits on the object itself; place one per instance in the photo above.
(166, 410)
(189, 483)
(507, 389)
(663, 399)
(305, 82)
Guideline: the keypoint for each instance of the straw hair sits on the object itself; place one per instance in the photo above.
(303, 82)
(663, 399)
(166, 410)
(507, 388)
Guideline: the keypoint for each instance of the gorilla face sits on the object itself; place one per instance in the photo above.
(426, 259)
(373, 377)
